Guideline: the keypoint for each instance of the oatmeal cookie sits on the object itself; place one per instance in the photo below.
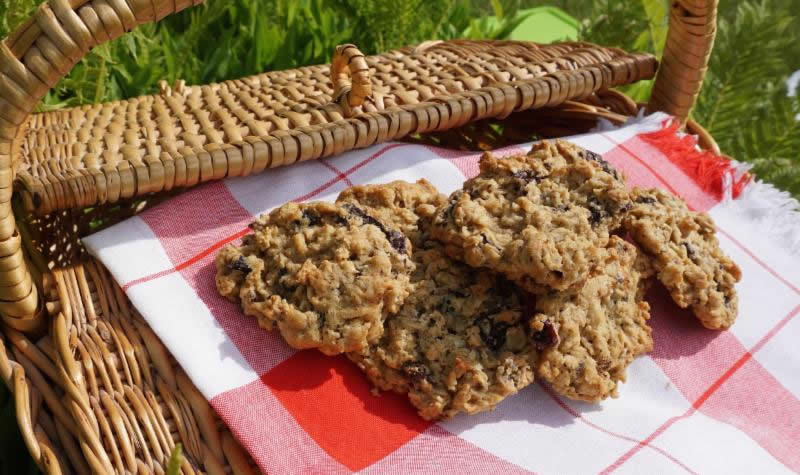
(462, 341)
(325, 275)
(535, 217)
(399, 204)
(646, 269)
(686, 256)
(601, 327)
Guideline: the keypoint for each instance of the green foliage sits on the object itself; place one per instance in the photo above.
(743, 103)
(175, 458)
(216, 41)
(495, 23)
(14, 12)
(388, 25)
(772, 142)
(653, 38)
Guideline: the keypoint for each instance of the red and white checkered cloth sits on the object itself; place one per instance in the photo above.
(703, 401)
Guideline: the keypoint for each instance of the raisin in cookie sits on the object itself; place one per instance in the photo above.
(325, 275)
(398, 204)
(535, 217)
(601, 327)
(686, 256)
(462, 340)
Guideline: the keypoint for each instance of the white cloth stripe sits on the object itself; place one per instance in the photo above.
(132, 246)
(192, 334)
(710, 446)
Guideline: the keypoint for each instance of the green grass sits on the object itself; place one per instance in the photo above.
(227, 39)
(743, 102)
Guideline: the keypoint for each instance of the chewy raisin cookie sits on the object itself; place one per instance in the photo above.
(535, 217)
(686, 256)
(398, 204)
(601, 327)
(462, 340)
(325, 275)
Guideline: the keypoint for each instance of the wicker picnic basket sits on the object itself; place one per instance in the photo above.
(95, 390)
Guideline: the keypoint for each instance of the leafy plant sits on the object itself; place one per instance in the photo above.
(388, 25)
(744, 103)
(771, 143)
(14, 12)
(503, 20)
(175, 458)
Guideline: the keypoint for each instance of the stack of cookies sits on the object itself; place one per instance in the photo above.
(537, 267)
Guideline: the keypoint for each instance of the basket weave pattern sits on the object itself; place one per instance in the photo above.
(95, 389)
(188, 135)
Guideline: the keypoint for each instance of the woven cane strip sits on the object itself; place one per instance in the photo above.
(688, 46)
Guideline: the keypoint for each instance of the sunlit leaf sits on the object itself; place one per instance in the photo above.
(175, 458)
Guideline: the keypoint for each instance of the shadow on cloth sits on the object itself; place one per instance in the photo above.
(676, 331)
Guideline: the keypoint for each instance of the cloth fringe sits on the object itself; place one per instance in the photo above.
(715, 174)
(775, 213)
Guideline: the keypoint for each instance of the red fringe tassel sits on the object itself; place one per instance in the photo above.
(706, 168)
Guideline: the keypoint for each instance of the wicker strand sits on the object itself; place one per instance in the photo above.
(350, 77)
(690, 38)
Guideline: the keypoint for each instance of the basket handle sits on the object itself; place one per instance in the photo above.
(32, 60)
(692, 28)
(351, 78)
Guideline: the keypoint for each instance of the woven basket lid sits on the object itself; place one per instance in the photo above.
(188, 135)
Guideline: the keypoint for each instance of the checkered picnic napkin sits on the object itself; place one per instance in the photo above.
(703, 401)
